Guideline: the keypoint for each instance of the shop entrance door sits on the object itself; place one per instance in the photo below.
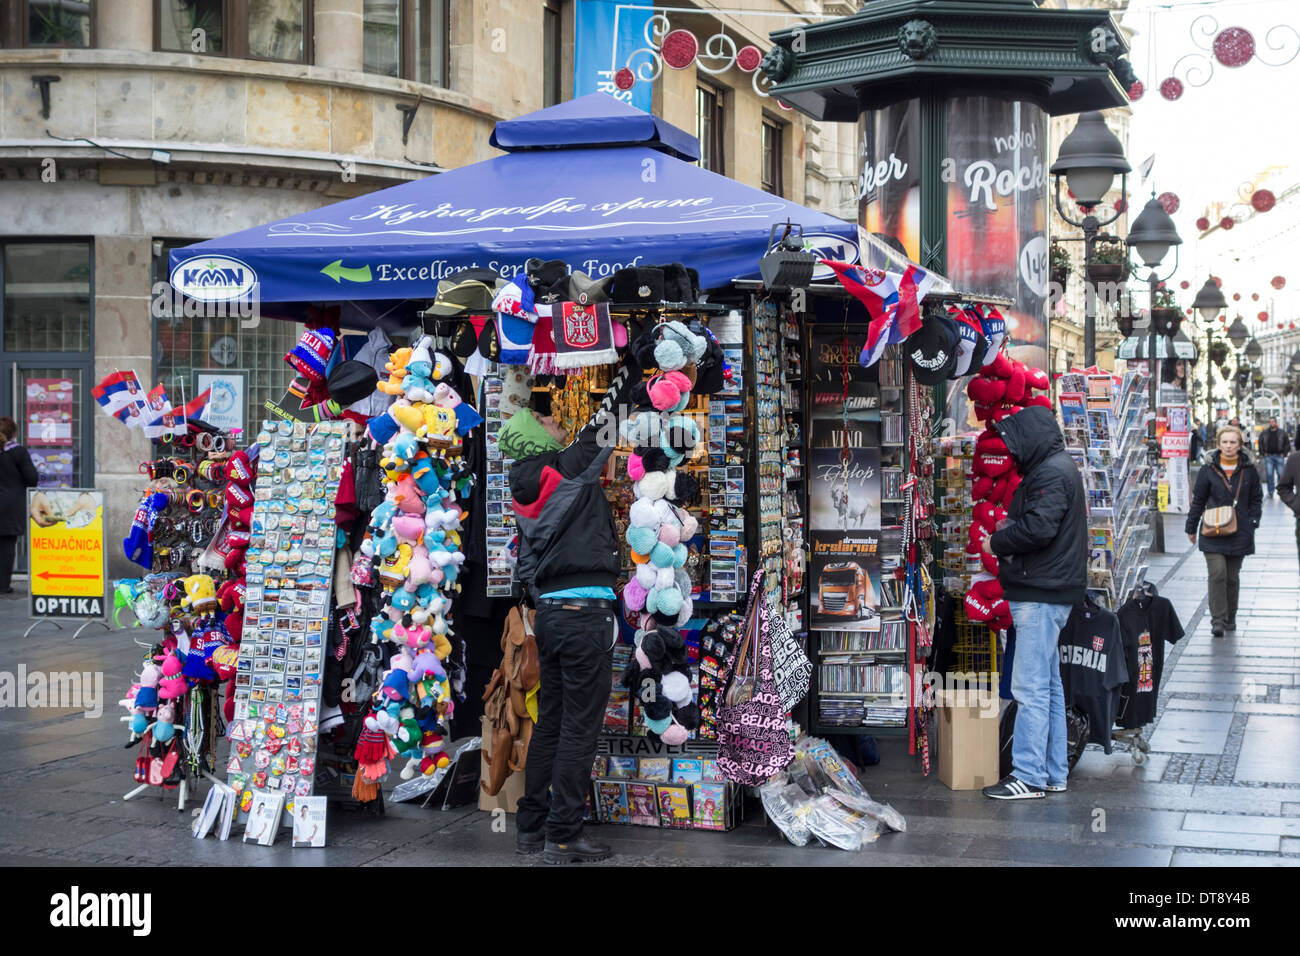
(49, 402)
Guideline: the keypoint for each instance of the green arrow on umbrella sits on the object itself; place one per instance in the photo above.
(337, 271)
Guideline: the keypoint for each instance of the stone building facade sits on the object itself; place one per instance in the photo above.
(131, 127)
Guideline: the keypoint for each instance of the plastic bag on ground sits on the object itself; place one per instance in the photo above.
(787, 806)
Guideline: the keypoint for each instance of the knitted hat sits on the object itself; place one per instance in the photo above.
(312, 353)
(523, 436)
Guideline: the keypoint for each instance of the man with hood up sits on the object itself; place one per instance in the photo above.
(569, 567)
(1042, 552)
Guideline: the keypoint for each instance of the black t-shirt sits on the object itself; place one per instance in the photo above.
(1146, 623)
(1093, 667)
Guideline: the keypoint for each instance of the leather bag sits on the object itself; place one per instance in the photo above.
(1221, 522)
(506, 700)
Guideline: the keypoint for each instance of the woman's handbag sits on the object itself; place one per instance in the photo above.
(1221, 522)
(753, 743)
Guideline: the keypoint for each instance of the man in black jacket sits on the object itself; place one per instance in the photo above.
(1274, 446)
(1042, 555)
(569, 564)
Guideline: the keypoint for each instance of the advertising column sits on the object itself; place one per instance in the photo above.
(994, 189)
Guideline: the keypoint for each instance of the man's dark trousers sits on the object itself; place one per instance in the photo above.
(575, 647)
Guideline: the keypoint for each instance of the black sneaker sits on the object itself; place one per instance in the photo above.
(577, 850)
(527, 843)
(1013, 788)
(1055, 788)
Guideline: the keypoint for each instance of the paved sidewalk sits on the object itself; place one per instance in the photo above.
(1222, 785)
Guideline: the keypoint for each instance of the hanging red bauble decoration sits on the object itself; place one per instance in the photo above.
(1169, 201)
(1263, 317)
(1227, 222)
(1202, 224)
(1263, 200)
(1136, 90)
(624, 79)
(748, 59)
(1293, 325)
(1184, 284)
(1121, 204)
(1217, 281)
(1254, 297)
(784, 105)
(1278, 282)
(1234, 46)
(1236, 297)
(1171, 88)
(679, 49)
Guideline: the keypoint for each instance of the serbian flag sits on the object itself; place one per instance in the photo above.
(175, 421)
(893, 302)
(121, 396)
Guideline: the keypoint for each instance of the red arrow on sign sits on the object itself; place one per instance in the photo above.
(46, 575)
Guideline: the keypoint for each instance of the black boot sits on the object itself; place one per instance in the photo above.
(578, 850)
(527, 843)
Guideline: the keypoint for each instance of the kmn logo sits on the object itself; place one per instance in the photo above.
(74, 910)
(214, 278)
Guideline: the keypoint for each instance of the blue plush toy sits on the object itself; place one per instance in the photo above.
(417, 386)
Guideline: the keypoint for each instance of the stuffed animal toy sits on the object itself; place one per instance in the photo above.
(200, 594)
(417, 386)
(396, 369)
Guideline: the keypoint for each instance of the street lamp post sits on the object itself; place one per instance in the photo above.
(1237, 335)
(1152, 234)
(1089, 158)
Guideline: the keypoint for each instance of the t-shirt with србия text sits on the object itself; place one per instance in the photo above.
(1093, 668)
(1146, 622)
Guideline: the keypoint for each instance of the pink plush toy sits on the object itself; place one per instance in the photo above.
(407, 496)
(635, 467)
(409, 528)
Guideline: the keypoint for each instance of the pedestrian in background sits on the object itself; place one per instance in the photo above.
(1274, 446)
(1286, 490)
(17, 474)
(1227, 480)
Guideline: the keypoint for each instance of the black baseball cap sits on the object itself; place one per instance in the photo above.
(932, 350)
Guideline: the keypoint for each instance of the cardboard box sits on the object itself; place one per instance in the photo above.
(967, 730)
(512, 791)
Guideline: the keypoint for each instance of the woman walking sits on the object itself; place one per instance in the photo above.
(1228, 481)
(17, 474)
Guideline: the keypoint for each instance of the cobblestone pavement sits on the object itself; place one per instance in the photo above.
(1221, 785)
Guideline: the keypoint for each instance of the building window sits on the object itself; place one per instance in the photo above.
(382, 37)
(191, 26)
(408, 39)
(773, 159)
(253, 29)
(709, 128)
(47, 296)
(184, 347)
(276, 29)
(430, 42)
(552, 53)
(47, 23)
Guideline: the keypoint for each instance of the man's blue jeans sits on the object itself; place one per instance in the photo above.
(1273, 465)
(1039, 748)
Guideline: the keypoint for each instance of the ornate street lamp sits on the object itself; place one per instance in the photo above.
(1237, 333)
(1254, 351)
(1089, 158)
(1152, 234)
(1209, 301)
